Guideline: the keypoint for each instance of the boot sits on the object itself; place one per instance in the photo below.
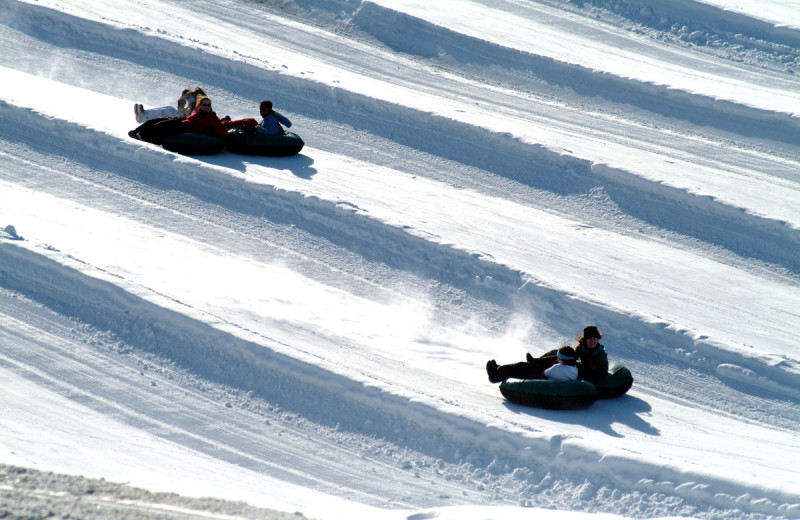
(138, 110)
(493, 371)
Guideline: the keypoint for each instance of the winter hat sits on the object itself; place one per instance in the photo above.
(591, 332)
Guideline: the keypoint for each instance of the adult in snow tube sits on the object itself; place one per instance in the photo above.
(592, 355)
(252, 143)
(593, 361)
(185, 106)
(616, 383)
(593, 369)
(207, 131)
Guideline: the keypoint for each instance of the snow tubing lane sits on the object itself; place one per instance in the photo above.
(189, 143)
(250, 143)
(618, 381)
(552, 395)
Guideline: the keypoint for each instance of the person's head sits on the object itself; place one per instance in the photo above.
(590, 337)
(266, 108)
(187, 98)
(566, 355)
(203, 104)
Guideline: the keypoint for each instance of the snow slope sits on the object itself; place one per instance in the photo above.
(480, 180)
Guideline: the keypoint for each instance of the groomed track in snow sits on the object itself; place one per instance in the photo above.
(226, 325)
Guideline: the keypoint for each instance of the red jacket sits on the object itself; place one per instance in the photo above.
(206, 123)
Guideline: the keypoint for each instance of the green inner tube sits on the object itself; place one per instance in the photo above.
(553, 395)
(618, 381)
(252, 143)
(568, 395)
(189, 143)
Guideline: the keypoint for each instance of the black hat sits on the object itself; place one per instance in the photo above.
(591, 332)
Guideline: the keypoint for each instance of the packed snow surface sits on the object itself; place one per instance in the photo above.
(234, 336)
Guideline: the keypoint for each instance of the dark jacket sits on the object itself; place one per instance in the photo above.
(593, 363)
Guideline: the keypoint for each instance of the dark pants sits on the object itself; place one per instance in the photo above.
(532, 369)
(156, 130)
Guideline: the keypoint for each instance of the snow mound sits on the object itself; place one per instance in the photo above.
(10, 233)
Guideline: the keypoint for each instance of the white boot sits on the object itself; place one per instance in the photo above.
(138, 110)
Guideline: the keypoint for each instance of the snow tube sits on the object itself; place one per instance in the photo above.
(252, 143)
(618, 381)
(189, 143)
(553, 395)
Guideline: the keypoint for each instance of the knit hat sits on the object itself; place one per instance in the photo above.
(591, 332)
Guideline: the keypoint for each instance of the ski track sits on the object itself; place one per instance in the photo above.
(123, 353)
